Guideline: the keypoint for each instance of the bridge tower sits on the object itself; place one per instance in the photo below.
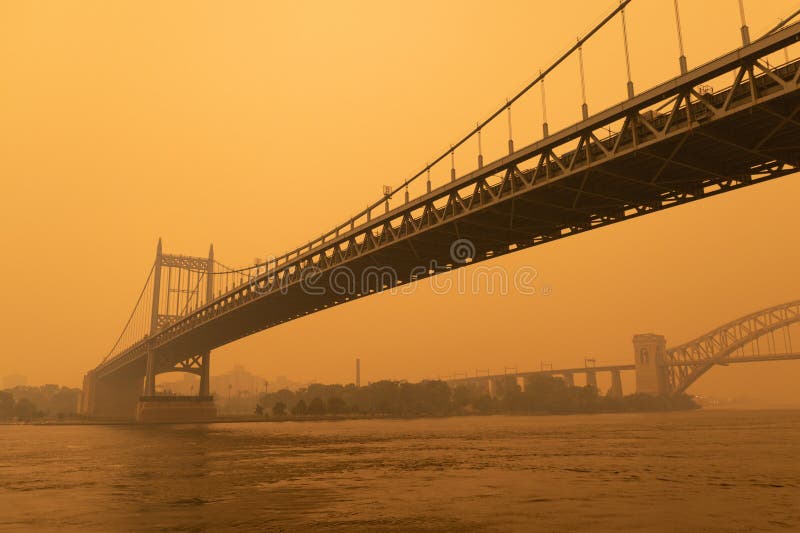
(649, 355)
(180, 285)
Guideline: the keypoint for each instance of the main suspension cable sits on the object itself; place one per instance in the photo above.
(135, 307)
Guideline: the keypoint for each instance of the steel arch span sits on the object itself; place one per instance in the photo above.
(765, 335)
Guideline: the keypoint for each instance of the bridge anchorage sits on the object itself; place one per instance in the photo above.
(678, 142)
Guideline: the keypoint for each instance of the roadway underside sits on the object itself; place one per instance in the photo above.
(574, 181)
(673, 171)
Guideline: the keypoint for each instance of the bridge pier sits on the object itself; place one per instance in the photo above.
(151, 407)
(489, 388)
(616, 384)
(501, 386)
(87, 394)
(591, 378)
(175, 409)
(569, 378)
(150, 376)
(111, 397)
(205, 375)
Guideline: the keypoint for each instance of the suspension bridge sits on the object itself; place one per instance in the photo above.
(721, 126)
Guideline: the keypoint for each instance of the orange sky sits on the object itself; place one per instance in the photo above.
(258, 125)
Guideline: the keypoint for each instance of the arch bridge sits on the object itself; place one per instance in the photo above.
(772, 334)
(765, 335)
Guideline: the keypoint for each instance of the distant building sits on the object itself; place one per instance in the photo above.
(186, 386)
(15, 380)
(236, 391)
(238, 383)
(282, 382)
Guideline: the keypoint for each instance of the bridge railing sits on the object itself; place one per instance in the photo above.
(400, 195)
(224, 281)
(230, 295)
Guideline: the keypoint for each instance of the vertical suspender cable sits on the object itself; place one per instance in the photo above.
(177, 308)
(682, 57)
(169, 284)
(480, 150)
(745, 29)
(627, 54)
(545, 128)
(584, 105)
(510, 135)
(479, 126)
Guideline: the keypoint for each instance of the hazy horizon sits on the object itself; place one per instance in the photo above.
(194, 126)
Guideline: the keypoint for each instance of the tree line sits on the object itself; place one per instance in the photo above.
(31, 403)
(542, 394)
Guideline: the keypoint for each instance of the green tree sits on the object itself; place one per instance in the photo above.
(259, 410)
(279, 409)
(300, 408)
(64, 401)
(25, 409)
(51, 399)
(485, 404)
(6, 405)
(336, 406)
(316, 407)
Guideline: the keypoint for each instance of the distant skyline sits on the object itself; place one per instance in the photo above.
(257, 126)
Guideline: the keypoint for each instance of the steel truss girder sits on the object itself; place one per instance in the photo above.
(197, 264)
(685, 363)
(191, 365)
(554, 161)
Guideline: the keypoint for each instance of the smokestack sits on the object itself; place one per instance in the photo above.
(358, 372)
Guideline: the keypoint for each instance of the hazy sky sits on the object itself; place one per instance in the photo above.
(259, 125)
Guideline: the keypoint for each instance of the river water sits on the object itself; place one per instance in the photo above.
(690, 471)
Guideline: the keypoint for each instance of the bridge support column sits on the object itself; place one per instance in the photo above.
(569, 378)
(649, 352)
(113, 397)
(591, 378)
(503, 385)
(205, 375)
(88, 394)
(616, 384)
(150, 376)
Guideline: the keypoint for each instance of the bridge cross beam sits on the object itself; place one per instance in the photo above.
(160, 317)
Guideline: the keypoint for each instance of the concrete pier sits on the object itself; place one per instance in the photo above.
(175, 409)
(616, 384)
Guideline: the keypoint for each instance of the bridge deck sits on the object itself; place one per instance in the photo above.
(552, 372)
(570, 182)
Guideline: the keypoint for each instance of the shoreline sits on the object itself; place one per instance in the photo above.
(246, 419)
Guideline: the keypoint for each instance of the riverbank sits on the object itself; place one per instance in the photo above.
(234, 419)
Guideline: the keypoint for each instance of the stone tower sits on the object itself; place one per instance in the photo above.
(648, 353)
